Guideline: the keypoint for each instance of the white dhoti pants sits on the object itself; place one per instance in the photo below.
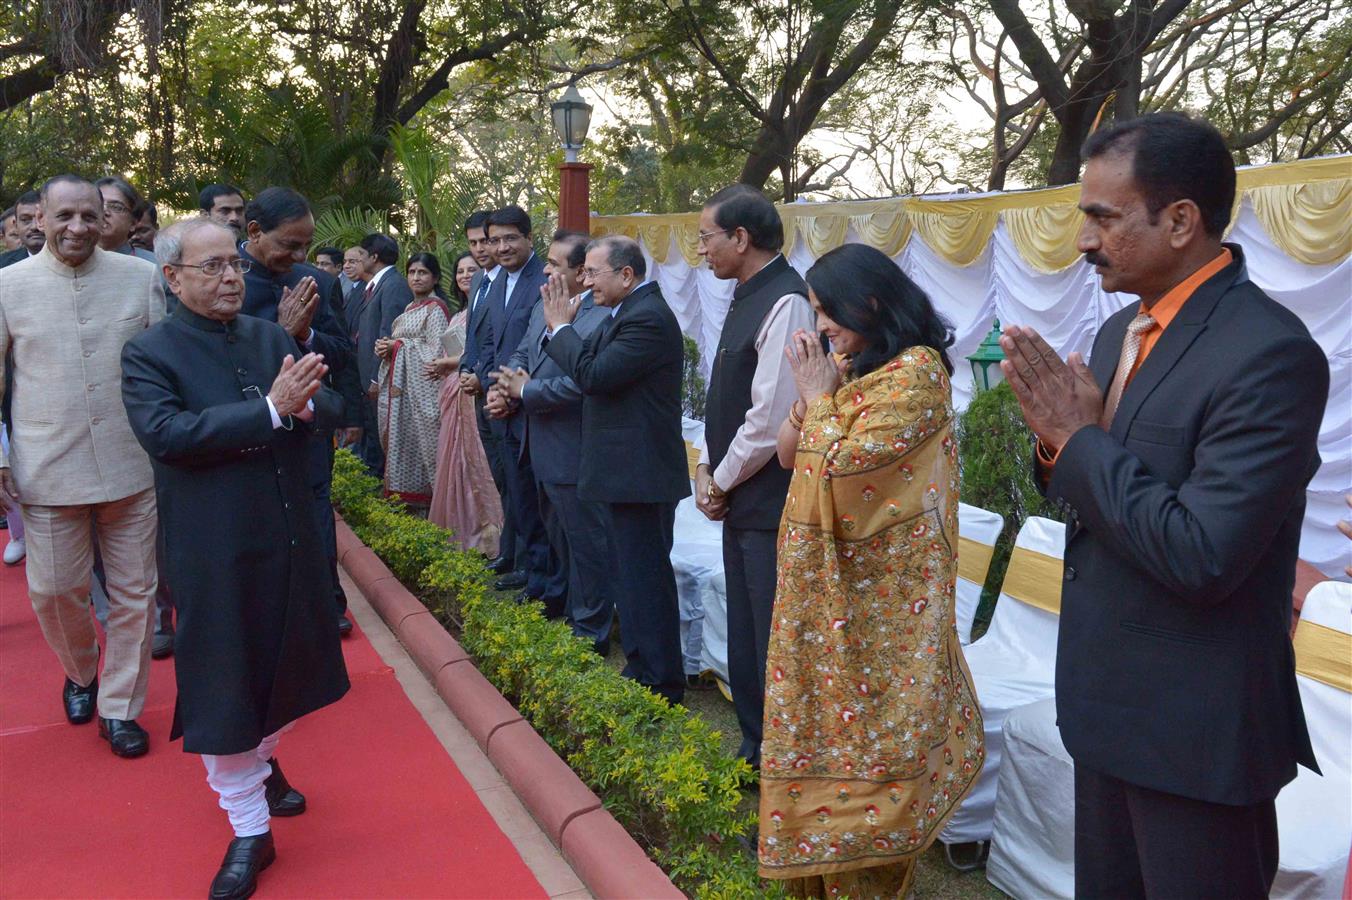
(238, 779)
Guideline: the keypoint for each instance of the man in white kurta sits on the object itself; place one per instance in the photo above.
(73, 463)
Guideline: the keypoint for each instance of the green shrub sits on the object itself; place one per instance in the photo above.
(661, 772)
(995, 453)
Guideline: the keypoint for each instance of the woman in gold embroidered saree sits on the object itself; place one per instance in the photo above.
(872, 731)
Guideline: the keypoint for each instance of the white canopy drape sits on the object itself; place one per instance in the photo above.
(1067, 307)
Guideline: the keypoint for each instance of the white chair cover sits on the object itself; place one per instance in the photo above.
(696, 557)
(714, 656)
(1032, 850)
(1013, 664)
(982, 526)
(1033, 837)
(1314, 813)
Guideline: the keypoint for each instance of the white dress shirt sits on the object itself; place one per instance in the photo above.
(773, 393)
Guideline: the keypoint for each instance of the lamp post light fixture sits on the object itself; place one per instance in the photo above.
(572, 117)
(985, 361)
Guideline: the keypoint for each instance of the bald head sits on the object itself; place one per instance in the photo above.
(200, 260)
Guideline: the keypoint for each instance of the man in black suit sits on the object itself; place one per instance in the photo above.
(384, 298)
(510, 301)
(282, 287)
(633, 457)
(223, 203)
(31, 236)
(549, 404)
(1184, 493)
(476, 236)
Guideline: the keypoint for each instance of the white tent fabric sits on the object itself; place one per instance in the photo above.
(1314, 813)
(1032, 848)
(1033, 838)
(1013, 664)
(982, 526)
(1067, 307)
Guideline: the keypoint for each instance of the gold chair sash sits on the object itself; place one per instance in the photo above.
(1034, 578)
(1324, 654)
(691, 458)
(974, 560)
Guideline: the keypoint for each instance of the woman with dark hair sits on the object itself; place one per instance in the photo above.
(407, 411)
(872, 730)
(464, 498)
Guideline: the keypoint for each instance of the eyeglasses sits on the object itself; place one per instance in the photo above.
(705, 235)
(592, 273)
(116, 207)
(214, 267)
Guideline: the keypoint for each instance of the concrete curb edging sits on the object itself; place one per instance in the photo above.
(601, 852)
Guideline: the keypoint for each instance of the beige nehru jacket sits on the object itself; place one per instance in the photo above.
(62, 331)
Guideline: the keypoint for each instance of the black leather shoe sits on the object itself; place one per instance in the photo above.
(244, 859)
(283, 799)
(510, 581)
(162, 645)
(79, 701)
(344, 626)
(127, 738)
(501, 566)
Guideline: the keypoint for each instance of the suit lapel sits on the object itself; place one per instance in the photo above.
(1186, 327)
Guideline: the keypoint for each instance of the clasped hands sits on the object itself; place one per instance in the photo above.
(297, 307)
(505, 394)
(296, 384)
(1057, 398)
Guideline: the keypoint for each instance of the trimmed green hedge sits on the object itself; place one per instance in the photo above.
(995, 452)
(659, 770)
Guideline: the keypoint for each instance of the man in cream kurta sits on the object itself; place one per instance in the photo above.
(73, 461)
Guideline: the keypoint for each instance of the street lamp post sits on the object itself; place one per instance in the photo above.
(572, 116)
(985, 361)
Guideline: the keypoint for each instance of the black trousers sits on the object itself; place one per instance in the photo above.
(579, 531)
(650, 619)
(321, 483)
(368, 448)
(749, 566)
(492, 444)
(524, 499)
(1132, 842)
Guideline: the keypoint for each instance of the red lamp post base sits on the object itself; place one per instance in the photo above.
(575, 197)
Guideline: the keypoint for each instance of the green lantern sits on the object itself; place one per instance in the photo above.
(985, 361)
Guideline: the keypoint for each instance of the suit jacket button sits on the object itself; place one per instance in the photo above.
(1070, 573)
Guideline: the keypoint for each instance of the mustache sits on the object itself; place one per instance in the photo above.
(1095, 259)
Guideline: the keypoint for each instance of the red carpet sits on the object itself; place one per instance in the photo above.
(389, 813)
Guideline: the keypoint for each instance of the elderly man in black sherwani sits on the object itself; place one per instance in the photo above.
(224, 405)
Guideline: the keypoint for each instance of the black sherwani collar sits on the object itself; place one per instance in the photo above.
(768, 272)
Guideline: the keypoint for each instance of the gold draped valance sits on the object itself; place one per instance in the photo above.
(1304, 206)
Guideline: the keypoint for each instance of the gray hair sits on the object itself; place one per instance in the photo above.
(169, 242)
(621, 251)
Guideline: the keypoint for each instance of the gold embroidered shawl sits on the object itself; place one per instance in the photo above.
(872, 730)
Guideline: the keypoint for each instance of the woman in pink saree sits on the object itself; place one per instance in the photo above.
(464, 497)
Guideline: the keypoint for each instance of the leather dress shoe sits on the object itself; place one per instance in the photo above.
(244, 859)
(501, 566)
(344, 626)
(79, 701)
(126, 737)
(283, 799)
(162, 645)
(510, 581)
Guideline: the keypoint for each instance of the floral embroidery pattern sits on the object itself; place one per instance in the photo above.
(872, 729)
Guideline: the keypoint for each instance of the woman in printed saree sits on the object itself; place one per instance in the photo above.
(408, 414)
(464, 499)
(872, 731)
